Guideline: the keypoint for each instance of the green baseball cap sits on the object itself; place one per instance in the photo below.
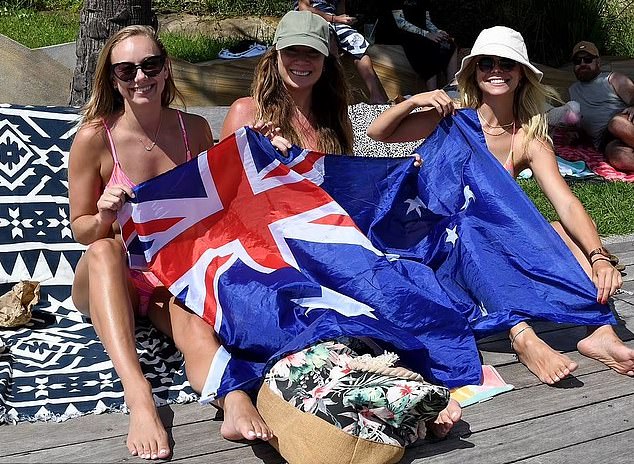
(302, 28)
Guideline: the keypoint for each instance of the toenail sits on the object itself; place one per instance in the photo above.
(154, 456)
(163, 451)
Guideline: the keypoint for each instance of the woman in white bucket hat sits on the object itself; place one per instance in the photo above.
(499, 82)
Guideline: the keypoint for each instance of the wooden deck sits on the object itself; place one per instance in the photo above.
(588, 418)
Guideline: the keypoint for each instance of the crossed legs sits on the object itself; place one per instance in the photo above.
(102, 291)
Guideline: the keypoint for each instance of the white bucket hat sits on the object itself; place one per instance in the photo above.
(503, 42)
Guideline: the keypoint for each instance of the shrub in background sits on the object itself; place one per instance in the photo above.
(550, 28)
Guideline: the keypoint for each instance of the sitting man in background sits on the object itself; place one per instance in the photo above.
(607, 106)
(349, 40)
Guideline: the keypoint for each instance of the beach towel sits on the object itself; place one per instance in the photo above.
(54, 367)
(593, 158)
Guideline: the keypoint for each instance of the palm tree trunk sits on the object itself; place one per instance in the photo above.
(99, 20)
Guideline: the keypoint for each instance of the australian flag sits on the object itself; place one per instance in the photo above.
(278, 253)
(249, 242)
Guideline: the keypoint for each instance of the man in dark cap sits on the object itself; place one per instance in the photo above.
(607, 106)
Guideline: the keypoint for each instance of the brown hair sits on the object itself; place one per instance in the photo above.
(105, 100)
(329, 104)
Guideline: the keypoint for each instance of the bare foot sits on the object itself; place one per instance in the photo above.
(605, 346)
(147, 437)
(547, 364)
(447, 418)
(242, 420)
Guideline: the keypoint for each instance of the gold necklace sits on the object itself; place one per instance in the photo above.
(504, 131)
(153, 144)
(491, 126)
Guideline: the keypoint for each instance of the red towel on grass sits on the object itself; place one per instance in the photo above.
(591, 156)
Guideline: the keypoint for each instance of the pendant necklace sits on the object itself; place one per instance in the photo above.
(153, 144)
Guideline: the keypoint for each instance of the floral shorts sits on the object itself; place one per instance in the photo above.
(374, 406)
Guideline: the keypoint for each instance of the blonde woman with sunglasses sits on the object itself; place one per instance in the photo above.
(129, 134)
(500, 83)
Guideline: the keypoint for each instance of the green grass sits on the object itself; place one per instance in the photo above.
(610, 204)
(39, 29)
(195, 48)
(225, 7)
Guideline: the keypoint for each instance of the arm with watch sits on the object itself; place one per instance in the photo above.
(575, 226)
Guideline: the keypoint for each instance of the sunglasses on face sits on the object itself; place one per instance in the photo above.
(487, 63)
(586, 60)
(151, 66)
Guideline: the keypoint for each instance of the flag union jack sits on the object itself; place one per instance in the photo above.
(238, 208)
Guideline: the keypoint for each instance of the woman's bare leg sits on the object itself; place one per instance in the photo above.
(198, 343)
(101, 290)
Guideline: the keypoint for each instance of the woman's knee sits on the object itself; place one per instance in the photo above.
(105, 252)
(101, 257)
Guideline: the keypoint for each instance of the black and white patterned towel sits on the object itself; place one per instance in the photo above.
(55, 368)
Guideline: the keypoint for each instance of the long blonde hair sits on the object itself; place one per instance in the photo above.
(105, 100)
(529, 101)
(329, 104)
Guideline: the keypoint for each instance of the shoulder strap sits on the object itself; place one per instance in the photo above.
(112, 149)
(184, 133)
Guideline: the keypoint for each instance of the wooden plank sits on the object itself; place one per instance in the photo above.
(191, 441)
(520, 405)
(536, 436)
(601, 450)
(257, 454)
(94, 427)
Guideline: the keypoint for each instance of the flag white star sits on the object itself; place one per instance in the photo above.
(452, 236)
(415, 204)
(483, 309)
(468, 196)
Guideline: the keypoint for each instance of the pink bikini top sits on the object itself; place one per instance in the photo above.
(120, 177)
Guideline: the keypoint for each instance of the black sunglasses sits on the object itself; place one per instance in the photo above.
(586, 60)
(487, 63)
(126, 71)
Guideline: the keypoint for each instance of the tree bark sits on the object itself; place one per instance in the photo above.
(98, 21)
